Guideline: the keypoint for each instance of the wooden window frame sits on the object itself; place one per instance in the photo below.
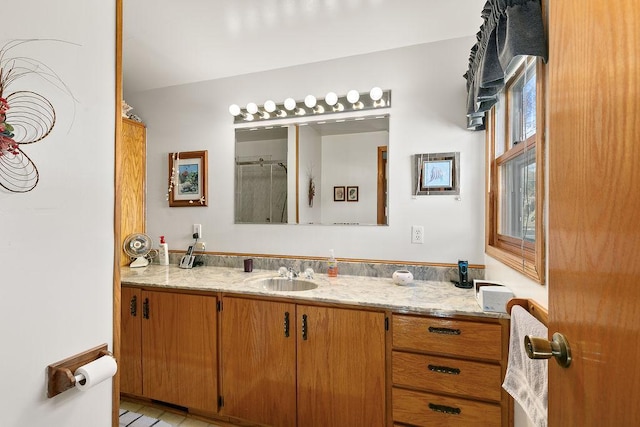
(526, 257)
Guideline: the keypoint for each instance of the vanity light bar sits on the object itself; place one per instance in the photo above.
(332, 103)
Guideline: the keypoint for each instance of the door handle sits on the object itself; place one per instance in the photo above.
(304, 327)
(541, 348)
(286, 324)
(133, 306)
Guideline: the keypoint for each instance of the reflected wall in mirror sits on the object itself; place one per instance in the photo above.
(286, 174)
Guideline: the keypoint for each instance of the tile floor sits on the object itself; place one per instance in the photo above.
(170, 417)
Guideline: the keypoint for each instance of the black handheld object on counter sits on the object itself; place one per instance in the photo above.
(188, 258)
(464, 283)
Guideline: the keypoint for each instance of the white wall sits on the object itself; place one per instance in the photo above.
(56, 242)
(311, 167)
(427, 115)
(354, 162)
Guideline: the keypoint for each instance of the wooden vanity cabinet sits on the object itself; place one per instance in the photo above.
(130, 363)
(258, 360)
(169, 347)
(331, 361)
(448, 372)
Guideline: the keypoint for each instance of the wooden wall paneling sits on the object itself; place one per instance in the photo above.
(134, 175)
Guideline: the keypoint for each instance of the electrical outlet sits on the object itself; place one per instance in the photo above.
(201, 246)
(197, 231)
(417, 234)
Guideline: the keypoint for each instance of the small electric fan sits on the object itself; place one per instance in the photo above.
(137, 246)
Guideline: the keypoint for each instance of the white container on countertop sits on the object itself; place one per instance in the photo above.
(402, 277)
(163, 252)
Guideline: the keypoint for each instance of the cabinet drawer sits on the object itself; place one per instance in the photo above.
(426, 409)
(439, 374)
(447, 336)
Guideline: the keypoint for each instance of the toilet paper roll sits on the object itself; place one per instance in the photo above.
(95, 372)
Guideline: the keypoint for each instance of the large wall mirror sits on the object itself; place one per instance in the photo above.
(330, 172)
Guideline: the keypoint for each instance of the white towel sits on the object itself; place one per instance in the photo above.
(526, 379)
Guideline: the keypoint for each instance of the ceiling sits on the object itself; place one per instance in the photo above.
(167, 43)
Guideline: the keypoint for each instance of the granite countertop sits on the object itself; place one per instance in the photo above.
(425, 297)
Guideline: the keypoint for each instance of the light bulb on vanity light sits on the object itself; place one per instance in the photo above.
(290, 104)
(252, 108)
(332, 101)
(353, 97)
(375, 93)
(234, 110)
(269, 106)
(310, 101)
(376, 96)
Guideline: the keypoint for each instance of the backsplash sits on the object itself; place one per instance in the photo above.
(370, 269)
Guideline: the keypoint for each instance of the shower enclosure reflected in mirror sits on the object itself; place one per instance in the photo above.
(261, 177)
(285, 174)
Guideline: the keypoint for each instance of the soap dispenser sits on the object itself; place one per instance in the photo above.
(163, 252)
(332, 265)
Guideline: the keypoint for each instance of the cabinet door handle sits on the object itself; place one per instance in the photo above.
(443, 369)
(145, 308)
(286, 324)
(133, 306)
(445, 409)
(444, 331)
(304, 327)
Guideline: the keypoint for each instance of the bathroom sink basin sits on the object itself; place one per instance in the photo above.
(284, 284)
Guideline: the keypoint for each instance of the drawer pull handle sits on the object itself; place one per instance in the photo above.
(444, 331)
(304, 327)
(286, 324)
(133, 306)
(444, 369)
(145, 308)
(444, 409)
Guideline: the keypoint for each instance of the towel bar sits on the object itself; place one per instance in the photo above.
(536, 310)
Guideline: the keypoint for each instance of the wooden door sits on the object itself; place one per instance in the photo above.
(179, 349)
(130, 363)
(258, 366)
(594, 210)
(341, 367)
(133, 181)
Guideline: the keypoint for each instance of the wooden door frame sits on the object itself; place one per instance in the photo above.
(383, 219)
(117, 214)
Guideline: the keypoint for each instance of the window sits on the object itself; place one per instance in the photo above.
(515, 171)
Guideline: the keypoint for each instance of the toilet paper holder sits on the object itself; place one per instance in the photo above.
(60, 375)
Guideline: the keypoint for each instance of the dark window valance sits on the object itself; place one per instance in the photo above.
(510, 28)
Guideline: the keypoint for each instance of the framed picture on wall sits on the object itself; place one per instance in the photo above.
(338, 194)
(436, 174)
(352, 194)
(188, 178)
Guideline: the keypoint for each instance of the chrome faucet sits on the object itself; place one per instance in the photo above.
(291, 273)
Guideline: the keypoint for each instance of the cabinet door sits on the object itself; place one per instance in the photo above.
(258, 363)
(341, 367)
(179, 349)
(130, 363)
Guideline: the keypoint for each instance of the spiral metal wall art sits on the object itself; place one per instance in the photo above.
(26, 117)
